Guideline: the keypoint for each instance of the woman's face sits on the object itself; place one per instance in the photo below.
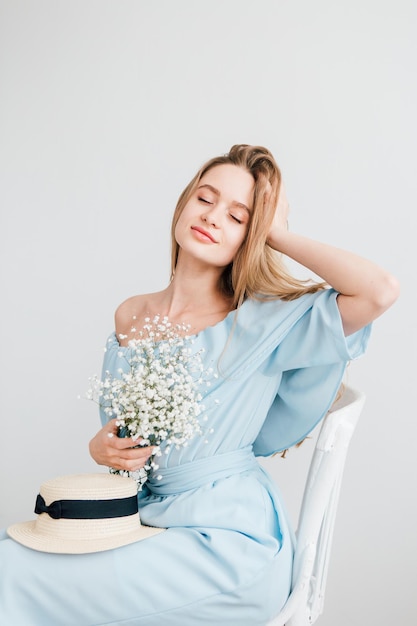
(215, 220)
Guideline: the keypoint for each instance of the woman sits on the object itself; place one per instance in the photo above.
(280, 347)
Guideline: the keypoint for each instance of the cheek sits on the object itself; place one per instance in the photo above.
(235, 243)
(179, 227)
(184, 220)
(176, 229)
(240, 237)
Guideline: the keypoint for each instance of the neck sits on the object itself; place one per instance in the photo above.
(192, 291)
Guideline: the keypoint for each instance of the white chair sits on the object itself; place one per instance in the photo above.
(318, 511)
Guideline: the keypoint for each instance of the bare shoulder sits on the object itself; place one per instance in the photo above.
(130, 314)
(130, 309)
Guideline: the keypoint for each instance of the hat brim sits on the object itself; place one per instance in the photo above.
(26, 534)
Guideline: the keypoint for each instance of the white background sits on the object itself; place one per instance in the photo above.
(107, 109)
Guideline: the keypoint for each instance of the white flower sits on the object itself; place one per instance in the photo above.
(158, 398)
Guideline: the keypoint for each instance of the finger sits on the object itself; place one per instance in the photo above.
(111, 428)
(111, 431)
(125, 443)
(129, 461)
(137, 454)
(131, 454)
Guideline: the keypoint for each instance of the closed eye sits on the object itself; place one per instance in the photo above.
(205, 200)
(235, 218)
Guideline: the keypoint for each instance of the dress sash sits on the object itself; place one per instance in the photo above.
(201, 471)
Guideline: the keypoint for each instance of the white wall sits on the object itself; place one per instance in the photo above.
(107, 108)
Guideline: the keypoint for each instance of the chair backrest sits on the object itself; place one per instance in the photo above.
(318, 510)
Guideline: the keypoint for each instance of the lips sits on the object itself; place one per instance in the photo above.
(204, 234)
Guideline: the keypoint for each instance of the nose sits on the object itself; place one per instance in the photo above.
(211, 216)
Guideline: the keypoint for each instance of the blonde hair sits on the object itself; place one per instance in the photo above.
(257, 271)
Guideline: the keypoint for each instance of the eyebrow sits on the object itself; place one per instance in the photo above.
(217, 193)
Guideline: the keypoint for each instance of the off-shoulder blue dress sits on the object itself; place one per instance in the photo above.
(226, 557)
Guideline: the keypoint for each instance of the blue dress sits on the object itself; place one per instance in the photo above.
(226, 557)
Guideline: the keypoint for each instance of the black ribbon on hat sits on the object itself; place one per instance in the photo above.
(87, 509)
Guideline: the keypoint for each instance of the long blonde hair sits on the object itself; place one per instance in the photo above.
(257, 271)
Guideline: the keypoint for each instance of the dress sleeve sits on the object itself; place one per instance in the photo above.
(310, 361)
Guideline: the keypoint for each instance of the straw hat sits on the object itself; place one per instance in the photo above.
(84, 513)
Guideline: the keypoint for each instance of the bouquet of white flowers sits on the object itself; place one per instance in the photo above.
(157, 397)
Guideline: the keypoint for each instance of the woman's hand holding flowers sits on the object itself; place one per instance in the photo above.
(108, 449)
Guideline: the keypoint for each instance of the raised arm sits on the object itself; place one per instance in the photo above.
(366, 290)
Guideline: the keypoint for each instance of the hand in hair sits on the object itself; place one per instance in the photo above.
(280, 219)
